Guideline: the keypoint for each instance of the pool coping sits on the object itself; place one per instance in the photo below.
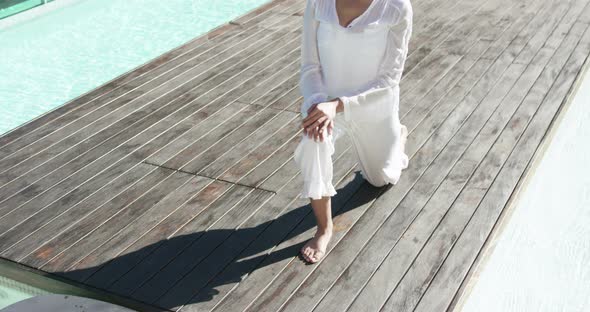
(56, 284)
(34, 12)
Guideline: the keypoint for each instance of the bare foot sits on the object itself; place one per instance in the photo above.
(315, 248)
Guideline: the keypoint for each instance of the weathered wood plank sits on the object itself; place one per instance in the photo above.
(290, 101)
(185, 152)
(404, 253)
(269, 262)
(542, 33)
(225, 145)
(279, 202)
(104, 148)
(429, 96)
(73, 191)
(266, 93)
(235, 206)
(271, 88)
(181, 266)
(194, 204)
(191, 83)
(159, 131)
(99, 201)
(283, 286)
(457, 43)
(466, 248)
(102, 224)
(196, 249)
(310, 289)
(64, 263)
(82, 105)
(521, 36)
(265, 229)
(228, 97)
(174, 184)
(585, 16)
(413, 116)
(235, 87)
(377, 248)
(527, 17)
(140, 230)
(281, 122)
(275, 161)
(262, 152)
(433, 91)
(424, 42)
(29, 215)
(191, 144)
(432, 15)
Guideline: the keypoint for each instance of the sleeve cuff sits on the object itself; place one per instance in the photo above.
(370, 106)
(307, 103)
(349, 104)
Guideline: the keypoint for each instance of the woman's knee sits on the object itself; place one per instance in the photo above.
(378, 179)
(308, 149)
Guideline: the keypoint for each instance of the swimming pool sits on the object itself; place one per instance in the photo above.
(12, 291)
(66, 52)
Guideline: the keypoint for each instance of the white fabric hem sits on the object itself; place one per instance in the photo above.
(317, 190)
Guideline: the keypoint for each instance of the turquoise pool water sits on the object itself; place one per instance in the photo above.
(12, 291)
(60, 55)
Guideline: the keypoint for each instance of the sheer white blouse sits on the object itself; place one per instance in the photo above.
(361, 63)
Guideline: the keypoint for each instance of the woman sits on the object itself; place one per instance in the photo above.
(352, 59)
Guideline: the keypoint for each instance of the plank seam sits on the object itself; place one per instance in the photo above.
(212, 178)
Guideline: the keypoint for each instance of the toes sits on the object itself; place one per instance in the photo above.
(317, 255)
(310, 254)
(306, 253)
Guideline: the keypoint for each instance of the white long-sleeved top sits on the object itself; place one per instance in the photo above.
(361, 63)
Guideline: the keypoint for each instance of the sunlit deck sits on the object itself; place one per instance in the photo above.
(172, 187)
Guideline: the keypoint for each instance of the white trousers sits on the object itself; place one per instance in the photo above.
(379, 148)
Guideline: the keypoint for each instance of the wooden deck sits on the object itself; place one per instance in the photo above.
(172, 187)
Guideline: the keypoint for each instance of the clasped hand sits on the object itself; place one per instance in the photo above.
(319, 122)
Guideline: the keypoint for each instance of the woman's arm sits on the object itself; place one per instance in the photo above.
(311, 83)
(373, 99)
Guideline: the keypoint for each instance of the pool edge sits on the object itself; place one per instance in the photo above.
(22, 129)
(56, 284)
